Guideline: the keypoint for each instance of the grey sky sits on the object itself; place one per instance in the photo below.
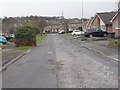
(47, 8)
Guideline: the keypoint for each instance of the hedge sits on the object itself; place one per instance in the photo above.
(25, 36)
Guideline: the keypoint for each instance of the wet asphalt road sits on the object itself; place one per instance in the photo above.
(58, 63)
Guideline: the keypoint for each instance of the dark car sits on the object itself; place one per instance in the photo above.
(10, 36)
(96, 33)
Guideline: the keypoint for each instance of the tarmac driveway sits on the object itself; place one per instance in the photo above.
(9, 54)
(58, 63)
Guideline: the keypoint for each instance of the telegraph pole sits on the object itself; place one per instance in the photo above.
(82, 17)
(63, 21)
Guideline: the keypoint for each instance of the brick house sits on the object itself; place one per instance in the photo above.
(88, 25)
(116, 24)
(76, 23)
(73, 26)
(102, 21)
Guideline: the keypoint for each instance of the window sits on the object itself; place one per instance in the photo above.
(117, 25)
(103, 27)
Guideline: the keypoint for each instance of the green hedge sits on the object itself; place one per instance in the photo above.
(25, 36)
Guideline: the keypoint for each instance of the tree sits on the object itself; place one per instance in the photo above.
(66, 26)
(41, 24)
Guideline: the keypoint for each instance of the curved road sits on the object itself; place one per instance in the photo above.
(58, 63)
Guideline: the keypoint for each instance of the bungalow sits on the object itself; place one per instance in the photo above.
(102, 21)
(116, 24)
(88, 25)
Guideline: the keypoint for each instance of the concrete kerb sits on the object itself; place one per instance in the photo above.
(116, 59)
(14, 60)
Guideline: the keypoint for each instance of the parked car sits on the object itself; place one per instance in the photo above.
(96, 33)
(3, 40)
(77, 32)
(61, 31)
(10, 36)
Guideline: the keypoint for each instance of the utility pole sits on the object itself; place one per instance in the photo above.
(63, 21)
(82, 17)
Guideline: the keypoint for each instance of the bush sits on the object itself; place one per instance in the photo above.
(37, 30)
(25, 36)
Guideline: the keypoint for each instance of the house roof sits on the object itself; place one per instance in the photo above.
(115, 15)
(106, 16)
(89, 21)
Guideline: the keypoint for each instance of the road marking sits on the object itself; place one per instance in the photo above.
(50, 52)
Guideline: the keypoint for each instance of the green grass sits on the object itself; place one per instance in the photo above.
(2, 46)
(67, 34)
(23, 47)
(10, 42)
(40, 38)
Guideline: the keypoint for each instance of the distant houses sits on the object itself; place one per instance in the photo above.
(107, 21)
(69, 24)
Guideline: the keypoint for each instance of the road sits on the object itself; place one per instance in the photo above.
(58, 63)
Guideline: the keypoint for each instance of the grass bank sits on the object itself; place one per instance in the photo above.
(40, 38)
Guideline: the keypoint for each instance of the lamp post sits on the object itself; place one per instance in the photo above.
(81, 20)
(82, 17)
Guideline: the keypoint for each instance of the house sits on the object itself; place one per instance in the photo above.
(76, 23)
(88, 25)
(102, 21)
(107, 21)
(73, 24)
(116, 24)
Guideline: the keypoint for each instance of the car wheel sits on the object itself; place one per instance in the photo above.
(105, 35)
(90, 35)
(73, 34)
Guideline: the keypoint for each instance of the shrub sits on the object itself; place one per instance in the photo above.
(25, 36)
(37, 30)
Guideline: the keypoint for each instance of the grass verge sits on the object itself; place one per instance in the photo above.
(40, 38)
(3, 46)
(67, 34)
(23, 47)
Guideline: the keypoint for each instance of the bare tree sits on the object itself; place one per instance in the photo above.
(41, 24)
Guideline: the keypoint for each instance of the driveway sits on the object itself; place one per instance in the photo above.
(58, 63)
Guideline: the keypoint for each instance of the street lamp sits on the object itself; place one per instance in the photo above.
(81, 28)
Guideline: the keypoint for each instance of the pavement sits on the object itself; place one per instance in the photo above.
(58, 63)
(9, 53)
(97, 46)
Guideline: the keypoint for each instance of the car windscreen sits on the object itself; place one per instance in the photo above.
(91, 30)
(77, 31)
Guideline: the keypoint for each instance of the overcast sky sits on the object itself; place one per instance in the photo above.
(70, 8)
